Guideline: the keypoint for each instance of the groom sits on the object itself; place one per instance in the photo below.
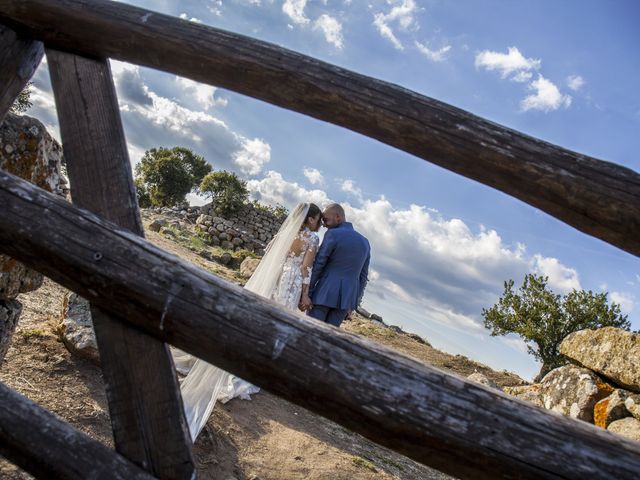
(340, 270)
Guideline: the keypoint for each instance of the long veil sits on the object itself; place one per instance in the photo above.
(206, 383)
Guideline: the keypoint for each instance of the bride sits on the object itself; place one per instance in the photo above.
(282, 275)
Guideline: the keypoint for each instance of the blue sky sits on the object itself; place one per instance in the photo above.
(566, 72)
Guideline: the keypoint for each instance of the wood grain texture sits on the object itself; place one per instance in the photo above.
(48, 447)
(597, 197)
(438, 419)
(19, 58)
(146, 409)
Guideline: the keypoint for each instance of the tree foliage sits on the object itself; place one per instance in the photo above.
(543, 319)
(226, 190)
(164, 176)
(23, 102)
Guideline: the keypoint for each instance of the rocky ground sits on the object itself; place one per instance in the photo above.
(265, 438)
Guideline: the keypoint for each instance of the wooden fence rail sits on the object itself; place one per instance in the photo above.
(594, 196)
(48, 447)
(438, 419)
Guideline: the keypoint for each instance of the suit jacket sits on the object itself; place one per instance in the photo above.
(341, 268)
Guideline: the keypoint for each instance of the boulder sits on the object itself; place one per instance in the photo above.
(610, 409)
(9, 315)
(483, 380)
(612, 352)
(225, 258)
(569, 390)
(76, 328)
(627, 427)
(248, 266)
(632, 404)
(157, 224)
(29, 152)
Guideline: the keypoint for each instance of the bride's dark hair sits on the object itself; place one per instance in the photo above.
(313, 211)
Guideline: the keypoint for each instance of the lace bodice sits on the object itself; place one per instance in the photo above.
(296, 269)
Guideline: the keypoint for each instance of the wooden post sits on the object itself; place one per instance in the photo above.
(597, 197)
(48, 447)
(436, 418)
(146, 409)
(19, 58)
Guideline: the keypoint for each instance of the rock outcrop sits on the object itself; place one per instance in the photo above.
(611, 352)
(610, 409)
(248, 266)
(569, 390)
(76, 328)
(627, 427)
(29, 152)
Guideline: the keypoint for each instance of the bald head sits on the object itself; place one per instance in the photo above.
(333, 215)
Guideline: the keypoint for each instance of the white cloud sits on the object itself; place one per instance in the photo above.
(294, 9)
(433, 55)
(273, 189)
(402, 13)
(561, 278)
(349, 186)
(547, 96)
(253, 155)
(215, 7)
(202, 93)
(507, 64)
(184, 16)
(625, 300)
(314, 176)
(575, 82)
(331, 28)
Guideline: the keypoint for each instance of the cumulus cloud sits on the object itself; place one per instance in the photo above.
(273, 189)
(625, 300)
(253, 155)
(331, 28)
(314, 176)
(514, 65)
(510, 63)
(401, 14)
(152, 120)
(561, 278)
(184, 16)
(294, 9)
(546, 96)
(575, 82)
(433, 55)
(349, 186)
(202, 94)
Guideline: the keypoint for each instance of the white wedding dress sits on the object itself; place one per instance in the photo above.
(283, 270)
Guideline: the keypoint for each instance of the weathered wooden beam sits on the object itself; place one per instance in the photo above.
(47, 447)
(146, 410)
(436, 418)
(19, 58)
(594, 196)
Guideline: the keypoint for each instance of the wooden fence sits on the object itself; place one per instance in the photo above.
(142, 297)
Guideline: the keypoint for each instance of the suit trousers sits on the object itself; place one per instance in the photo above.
(333, 316)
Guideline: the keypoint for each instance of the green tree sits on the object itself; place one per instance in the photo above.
(543, 319)
(144, 199)
(168, 174)
(23, 102)
(226, 190)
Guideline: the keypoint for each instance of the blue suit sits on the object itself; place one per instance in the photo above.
(340, 273)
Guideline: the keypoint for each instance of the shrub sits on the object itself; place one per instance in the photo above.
(227, 192)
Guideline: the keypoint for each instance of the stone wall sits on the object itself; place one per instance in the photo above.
(250, 228)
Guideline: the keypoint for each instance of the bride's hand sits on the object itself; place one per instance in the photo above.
(305, 303)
